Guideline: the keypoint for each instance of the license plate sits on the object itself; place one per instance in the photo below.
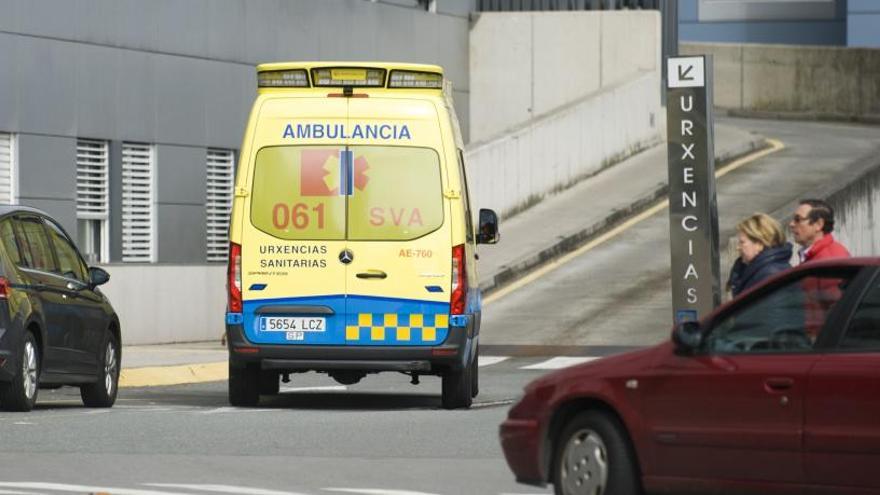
(292, 324)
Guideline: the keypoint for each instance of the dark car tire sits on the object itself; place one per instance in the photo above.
(270, 383)
(21, 393)
(103, 392)
(244, 386)
(456, 393)
(605, 434)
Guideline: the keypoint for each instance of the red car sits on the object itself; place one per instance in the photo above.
(777, 391)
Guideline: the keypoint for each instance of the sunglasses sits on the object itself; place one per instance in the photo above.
(798, 219)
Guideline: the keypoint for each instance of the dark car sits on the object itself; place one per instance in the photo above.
(56, 327)
(777, 391)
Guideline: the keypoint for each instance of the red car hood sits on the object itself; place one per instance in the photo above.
(627, 363)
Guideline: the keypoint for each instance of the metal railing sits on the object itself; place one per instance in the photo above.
(537, 5)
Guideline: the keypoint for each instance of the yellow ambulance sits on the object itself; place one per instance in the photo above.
(352, 245)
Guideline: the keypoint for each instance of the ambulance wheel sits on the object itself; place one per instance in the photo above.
(457, 385)
(270, 383)
(475, 373)
(244, 386)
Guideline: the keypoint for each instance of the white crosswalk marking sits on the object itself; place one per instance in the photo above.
(222, 489)
(63, 487)
(376, 491)
(558, 363)
(490, 360)
(328, 388)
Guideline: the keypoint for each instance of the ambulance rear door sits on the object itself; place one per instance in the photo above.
(293, 234)
(399, 232)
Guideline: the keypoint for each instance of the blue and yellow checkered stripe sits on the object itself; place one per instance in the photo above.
(397, 328)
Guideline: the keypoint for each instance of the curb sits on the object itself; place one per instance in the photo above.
(842, 118)
(156, 376)
(509, 273)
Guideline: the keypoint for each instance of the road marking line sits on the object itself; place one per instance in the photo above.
(15, 492)
(558, 363)
(775, 145)
(490, 360)
(222, 489)
(63, 487)
(494, 403)
(376, 491)
(174, 375)
(328, 388)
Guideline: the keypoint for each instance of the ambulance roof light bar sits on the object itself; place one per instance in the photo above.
(415, 79)
(361, 77)
(290, 78)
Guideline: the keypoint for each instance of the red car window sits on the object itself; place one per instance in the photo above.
(864, 328)
(788, 319)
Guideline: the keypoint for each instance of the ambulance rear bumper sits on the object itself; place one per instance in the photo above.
(454, 353)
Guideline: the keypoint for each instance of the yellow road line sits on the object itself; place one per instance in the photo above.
(775, 145)
(155, 376)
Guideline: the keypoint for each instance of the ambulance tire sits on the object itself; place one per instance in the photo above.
(270, 383)
(244, 386)
(457, 385)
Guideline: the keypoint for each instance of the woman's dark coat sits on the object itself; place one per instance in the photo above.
(769, 262)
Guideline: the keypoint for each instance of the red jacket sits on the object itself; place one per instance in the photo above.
(822, 293)
(826, 248)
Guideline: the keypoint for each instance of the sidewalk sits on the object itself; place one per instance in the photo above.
(559, 224)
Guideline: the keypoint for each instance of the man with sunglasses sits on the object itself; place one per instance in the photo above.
(811, 226)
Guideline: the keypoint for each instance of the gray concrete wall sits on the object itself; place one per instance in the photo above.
(168, 303)
(816, 81)
(857, 215)
(44, 184)
(559, 149)
(527, 64)
(180, 74)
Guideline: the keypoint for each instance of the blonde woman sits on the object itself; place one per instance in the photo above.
(763, 252)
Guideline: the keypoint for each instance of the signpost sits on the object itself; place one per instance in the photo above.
(693, 209)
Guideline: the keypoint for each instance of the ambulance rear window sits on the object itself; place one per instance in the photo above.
(296, 193)
(390, 193)
(397, 193)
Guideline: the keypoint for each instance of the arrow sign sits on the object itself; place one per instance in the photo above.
(686, 72)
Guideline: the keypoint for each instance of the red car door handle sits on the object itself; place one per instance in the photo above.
(779, 383)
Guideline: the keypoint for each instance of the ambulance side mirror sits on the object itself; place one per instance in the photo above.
(488, 230)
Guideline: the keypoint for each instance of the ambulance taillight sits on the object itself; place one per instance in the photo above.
(233, 281)
(459, 281)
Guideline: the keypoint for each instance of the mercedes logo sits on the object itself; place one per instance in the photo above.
(346, 256)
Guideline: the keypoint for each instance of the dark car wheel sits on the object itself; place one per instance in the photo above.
(457, 387)
(21, 393)
(103, 392)
(592, 457)
(244, 386)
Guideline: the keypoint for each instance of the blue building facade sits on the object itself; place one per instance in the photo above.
(863, 23)
(806, 22)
